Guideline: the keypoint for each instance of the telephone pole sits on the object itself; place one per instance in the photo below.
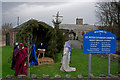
(18, 20)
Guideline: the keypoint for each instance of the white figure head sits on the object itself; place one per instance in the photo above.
(16, 43)
(41, 44)
(23, 47)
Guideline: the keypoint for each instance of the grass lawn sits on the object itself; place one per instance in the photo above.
(78, 60)
(0, 62)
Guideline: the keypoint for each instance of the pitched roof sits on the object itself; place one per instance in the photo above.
(77, 27)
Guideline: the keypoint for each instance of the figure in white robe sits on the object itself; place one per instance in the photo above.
(66, 59)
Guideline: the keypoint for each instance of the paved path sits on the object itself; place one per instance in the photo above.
(75, 44)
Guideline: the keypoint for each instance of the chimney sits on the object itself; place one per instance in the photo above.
(79, 21)
(18, 21)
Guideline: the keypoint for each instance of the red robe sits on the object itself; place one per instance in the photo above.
(21, 66)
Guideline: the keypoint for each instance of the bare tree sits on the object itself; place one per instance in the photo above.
(6, 27)
(108, 14)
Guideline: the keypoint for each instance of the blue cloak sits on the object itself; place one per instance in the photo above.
(13, 58)
(33, 60)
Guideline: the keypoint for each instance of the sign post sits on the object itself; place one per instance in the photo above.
(89, 66)
(99, 41)
(108, 64)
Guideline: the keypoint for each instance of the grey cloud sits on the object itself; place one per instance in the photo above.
(9, 5)
(45, 10)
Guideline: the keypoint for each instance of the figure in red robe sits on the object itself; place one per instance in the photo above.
(21, 58)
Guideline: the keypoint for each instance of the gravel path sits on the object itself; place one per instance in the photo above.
(75, 44)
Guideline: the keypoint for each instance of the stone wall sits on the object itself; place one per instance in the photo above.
(118, 46)
(68, 77)
(113, 57)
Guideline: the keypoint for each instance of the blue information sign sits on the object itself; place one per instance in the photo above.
(99, 41)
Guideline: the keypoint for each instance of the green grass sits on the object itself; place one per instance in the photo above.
(0, 62)
(78, 60)
(7, 52)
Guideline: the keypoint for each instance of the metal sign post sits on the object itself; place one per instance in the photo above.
(89, 66)
(108, 73)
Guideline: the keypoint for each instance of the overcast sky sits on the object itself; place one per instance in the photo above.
(44, 11)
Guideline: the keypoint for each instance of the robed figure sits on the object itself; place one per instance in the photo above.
(42, 46)
(13, 58)
(66, 58)
(21, 58)
(33, 60)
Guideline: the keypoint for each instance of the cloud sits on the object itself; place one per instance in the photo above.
(44, 11)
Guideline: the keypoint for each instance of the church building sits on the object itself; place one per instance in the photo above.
(76, 31)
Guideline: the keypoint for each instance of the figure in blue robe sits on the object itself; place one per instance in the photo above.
(33, 60)
(13, 58)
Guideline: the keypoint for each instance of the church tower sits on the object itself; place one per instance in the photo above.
(79, 21)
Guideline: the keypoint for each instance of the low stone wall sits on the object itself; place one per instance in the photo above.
(68, 79)
(118, 46)
(58, 77)
(113, 57)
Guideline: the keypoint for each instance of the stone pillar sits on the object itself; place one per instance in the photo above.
(15, 37)
(11, 38)
(13, 41)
